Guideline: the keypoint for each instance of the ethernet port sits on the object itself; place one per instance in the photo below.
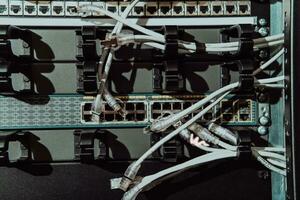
(243, 8)
(57, 9)
(72, 9)
(87, 107)
(118, 118)
(156, 115)
(140, 117)
(44, 9)
(177, 9)
(109, 117)
(140, 106)
(107, 107)
(130, 117)
(29, 9)
(123, 8)
(186, 105)
(217, 10)
(226, 106)
(204, 10)
(138, 10)
(87, 118)
(227, 117)
(164, 9)
(151, 9)
(156, 106)
(190, 9)
(129, 106)
(102, 117)
(177, 106)
(208, 116)
(112, 9)
(15, 8)
(244, 117)
(230, 9)
(166, 106)
(3, 8)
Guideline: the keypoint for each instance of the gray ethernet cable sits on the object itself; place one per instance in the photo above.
(133, 192)
(224, 133)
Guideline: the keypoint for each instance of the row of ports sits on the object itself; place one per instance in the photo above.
(175, 8)
(114, 117)
(227, 111)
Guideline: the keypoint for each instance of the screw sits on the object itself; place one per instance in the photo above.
(262, 130)
(263, 31)
(264, 120)
(263, 54)
(262, 22)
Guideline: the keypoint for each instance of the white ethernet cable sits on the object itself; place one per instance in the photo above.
(271, 155)
(146, 38)
(158, 36)
(164, 123)
(269, 62)
(117, 29)
(267, 164)
(97, 9)
(271, 149)
(146, 181)
(191, 47)
(277, 163)
(132, 170)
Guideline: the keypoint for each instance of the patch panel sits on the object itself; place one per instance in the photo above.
(191, 8)
(30, 8)
(4, 7)
(204, 8)
(178, 8)
(165, 8)
(139, 9)
(244, 7)
(57, 8)
(217, 8)
(151, 9)
(230, 8)
(70, 7)
(15, 7)
(44, 8)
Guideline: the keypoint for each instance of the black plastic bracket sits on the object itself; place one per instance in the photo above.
(171, 151)
(6, 138)
(88, 59)
(245, 54)
(244, 147)
(173, 78)
(84, 145)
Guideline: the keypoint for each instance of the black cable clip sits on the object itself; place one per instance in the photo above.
(246, 78)
(244, 147)
(84, 145)
(6, 138)
(88, 59)
(245, 33)
(173, 78)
